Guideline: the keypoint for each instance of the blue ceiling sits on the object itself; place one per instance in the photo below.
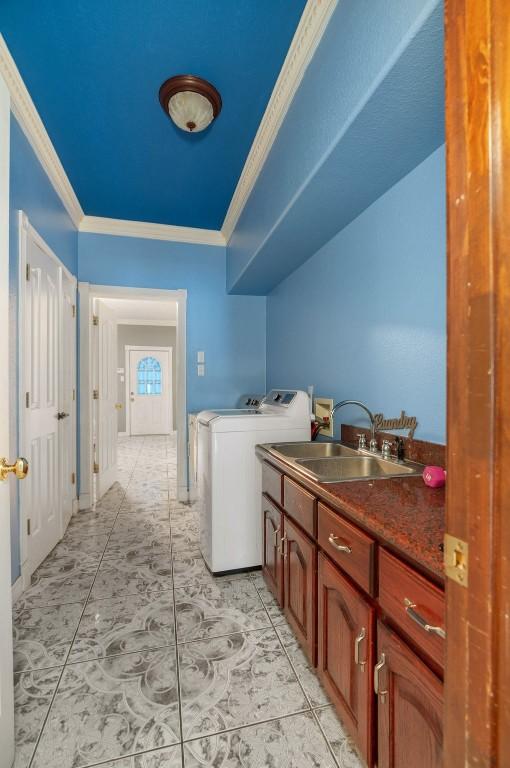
(93, 69)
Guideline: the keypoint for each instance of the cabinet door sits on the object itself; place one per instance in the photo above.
(272, 521)
(300, 586)
(346, 653)
(410, 706)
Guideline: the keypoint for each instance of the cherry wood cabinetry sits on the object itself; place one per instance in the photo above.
(272, 535)
(410, 706)
(346, 652)
(300, 586)
(336, 583)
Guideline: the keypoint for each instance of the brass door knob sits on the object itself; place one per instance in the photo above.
(118, 406)
(19, 468)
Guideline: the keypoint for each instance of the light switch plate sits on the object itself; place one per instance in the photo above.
(322, 408)
(200, 369)
(201, 357)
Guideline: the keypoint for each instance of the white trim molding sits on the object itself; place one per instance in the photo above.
(307, 37)
(124, 228)
(32, 126)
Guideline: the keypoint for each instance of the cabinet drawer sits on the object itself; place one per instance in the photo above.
(352, 549)
(416, 605)
(272, 482)
(300, 505)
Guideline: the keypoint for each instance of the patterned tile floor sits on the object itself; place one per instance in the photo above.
(129, 654)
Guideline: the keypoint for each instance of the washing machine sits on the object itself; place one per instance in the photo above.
(229, 475)
(245, 401)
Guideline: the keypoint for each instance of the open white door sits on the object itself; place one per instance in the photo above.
(106, 414)
(6, 681)
(67, 400)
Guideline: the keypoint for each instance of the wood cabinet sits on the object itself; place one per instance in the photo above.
(409, 706)
(301, 505)
(346, 652)
(300, 586)
(272, 520)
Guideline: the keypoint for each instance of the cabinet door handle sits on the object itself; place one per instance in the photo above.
(380, 664)
(340, 547)
(357, 643)
(276, 534)
(415, 616)
(282, 547)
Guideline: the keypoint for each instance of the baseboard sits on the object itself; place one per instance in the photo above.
(122, 434)
(75, 506)
(17, 589)
(193, 494)
(84, 501)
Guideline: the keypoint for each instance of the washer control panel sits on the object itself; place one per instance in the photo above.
(280, 397)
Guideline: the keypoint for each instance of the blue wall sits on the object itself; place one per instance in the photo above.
(369, 109)
(31, 192)
(230, 329)
(365, 317)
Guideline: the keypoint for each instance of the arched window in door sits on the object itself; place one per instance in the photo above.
(149, 376)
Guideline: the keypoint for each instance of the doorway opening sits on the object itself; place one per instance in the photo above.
(132, 378)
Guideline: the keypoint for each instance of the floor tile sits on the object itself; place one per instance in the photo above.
(341, 744)
(169, 757)
(236, 680)
(292, 742)
(190, 570)
(306, 676)
(132, 542)
(57, 590)
(66, 562)
(112, 707)
(124, 624)
(83, 542)
(275, 612)
(33, 692)
(132, 575)
(43, 636)
(210, 610)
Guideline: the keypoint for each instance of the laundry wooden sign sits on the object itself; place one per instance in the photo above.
(403, 422)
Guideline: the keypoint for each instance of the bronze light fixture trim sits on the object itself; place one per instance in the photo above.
(191, 102)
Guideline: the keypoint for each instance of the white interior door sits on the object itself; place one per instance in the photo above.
(150, 390)
(6, 682)
(106, 427)
(40, 495)
(67, 399)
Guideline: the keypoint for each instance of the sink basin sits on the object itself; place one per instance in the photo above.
(312, 450)
(338, 470)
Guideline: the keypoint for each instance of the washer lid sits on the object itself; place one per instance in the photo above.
(205, 417)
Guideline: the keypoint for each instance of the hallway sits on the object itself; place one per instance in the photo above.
(124, 642)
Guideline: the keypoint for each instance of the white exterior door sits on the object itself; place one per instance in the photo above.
(40, 495)
(150, 391)
(106, 424)
(6, 680)
(67, 400)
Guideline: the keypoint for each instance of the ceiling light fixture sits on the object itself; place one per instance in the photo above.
(190, 101)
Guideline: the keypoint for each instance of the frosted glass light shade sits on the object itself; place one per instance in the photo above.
(190, 111)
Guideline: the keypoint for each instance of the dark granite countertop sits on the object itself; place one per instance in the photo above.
(401, 512)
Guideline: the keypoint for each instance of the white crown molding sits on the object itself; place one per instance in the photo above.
(32, 126)
(307, 37)
(124, 228)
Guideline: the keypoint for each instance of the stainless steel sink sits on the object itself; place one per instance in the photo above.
(338, 470)
(312, 450)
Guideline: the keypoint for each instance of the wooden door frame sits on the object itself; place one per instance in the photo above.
(26, 230)
(477, 682)
(128, 348)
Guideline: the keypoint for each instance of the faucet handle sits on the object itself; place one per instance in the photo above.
(362, 441)
(386, 449)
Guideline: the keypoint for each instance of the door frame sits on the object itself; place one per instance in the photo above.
(127, 375)
(477, 677)
(26, 230)
(87, 292)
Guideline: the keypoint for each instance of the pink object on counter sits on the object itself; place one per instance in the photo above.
(435, 477)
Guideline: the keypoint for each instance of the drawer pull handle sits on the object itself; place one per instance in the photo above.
(380, 664)
(340, 547)
(357, 643)
(415, 616)
(282, 547)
